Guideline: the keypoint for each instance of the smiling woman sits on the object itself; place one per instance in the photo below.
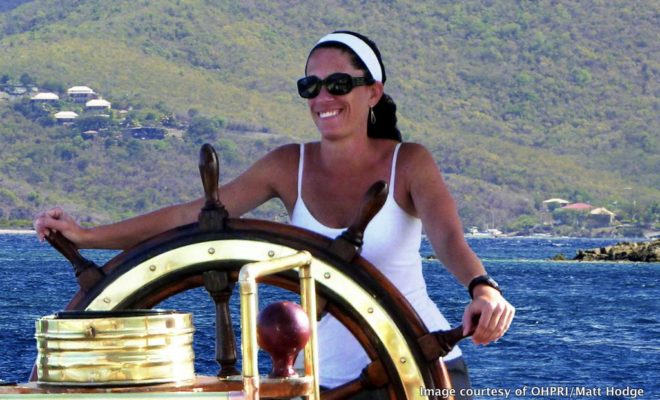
(322, 184)
(360, 143)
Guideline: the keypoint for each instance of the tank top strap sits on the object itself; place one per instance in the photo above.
(301, 163)
(393, 170)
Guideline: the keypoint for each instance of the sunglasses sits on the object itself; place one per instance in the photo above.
(338, 84)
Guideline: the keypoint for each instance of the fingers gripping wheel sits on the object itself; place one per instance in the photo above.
(211, 252)
(87, 272)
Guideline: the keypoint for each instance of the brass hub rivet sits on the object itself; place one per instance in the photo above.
(402, 360)
(370, 310)
(106, 300)
(271, 253)
(152, 268)
(326, 275)
(211, 250)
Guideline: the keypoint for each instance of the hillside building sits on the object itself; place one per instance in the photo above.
(578, 207)
(45, 97)
(65, 116)
(89, 134)
(147, 133)
(551, 204)
(601, 216)
(80, 94)
(97, 105)
(572, 214)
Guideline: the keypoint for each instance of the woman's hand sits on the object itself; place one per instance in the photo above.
(56, 219)
(495, 315)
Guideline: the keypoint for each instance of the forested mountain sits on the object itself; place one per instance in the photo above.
(519, 101)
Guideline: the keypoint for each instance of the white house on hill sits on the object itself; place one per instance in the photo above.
(554, 203)
(65, 116)
(44, 97)
(602, 216)
(81, 94)
(98, 104)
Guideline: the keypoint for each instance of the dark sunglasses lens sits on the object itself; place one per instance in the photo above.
(309, 87)
(339, 84)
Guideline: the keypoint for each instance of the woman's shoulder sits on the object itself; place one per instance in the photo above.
(415, 154)
(282, 154)
(413, 147)
(285, 150)
(276, 169)
(282, 159)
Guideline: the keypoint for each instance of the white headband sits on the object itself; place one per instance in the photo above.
(360, 48)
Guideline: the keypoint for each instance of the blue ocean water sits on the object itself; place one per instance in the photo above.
(590, 329)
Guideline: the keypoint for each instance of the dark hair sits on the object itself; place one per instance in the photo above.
(384, 126)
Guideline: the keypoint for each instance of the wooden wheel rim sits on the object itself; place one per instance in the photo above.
(359, 295)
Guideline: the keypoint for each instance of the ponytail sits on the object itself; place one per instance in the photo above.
(384, 126)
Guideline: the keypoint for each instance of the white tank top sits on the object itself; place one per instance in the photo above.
(391, 243)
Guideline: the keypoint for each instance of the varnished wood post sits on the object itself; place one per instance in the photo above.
(439, 343)
(349, 243)
(213, 214)
(220, 288)
(87, 272)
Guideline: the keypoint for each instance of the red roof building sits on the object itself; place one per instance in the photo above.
(578, 207)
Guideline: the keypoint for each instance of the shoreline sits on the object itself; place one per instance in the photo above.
(17, 231)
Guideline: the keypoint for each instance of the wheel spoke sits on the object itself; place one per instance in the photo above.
(220, 288)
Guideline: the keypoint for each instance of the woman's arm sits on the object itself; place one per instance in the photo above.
(259, 183)
(435, 206)
(119, 235)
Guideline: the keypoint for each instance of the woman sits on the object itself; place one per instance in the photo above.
(321, 184)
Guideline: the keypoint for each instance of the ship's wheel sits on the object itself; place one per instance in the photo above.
(404, 355)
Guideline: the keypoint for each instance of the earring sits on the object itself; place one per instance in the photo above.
(372, 116)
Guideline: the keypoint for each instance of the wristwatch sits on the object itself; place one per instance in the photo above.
(482, 280)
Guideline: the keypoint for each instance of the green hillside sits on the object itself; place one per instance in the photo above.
(519, 101)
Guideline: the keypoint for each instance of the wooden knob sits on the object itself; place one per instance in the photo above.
(349, 243)
(210, 171)
(283, 329)
(213, 214)
(439, 343)
(373, 201)
(87, 272)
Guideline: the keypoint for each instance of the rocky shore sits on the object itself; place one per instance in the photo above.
(624, 251)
